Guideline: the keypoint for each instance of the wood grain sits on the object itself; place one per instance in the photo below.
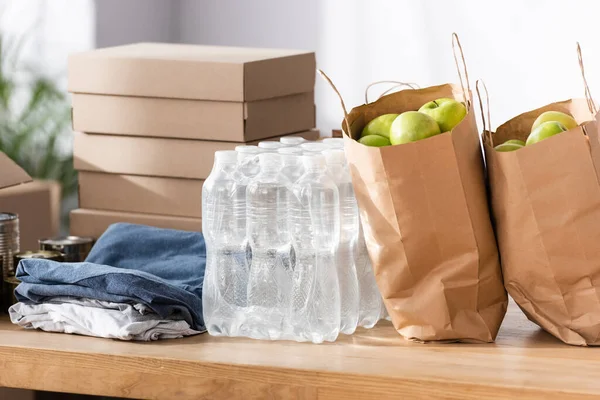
(372, 364)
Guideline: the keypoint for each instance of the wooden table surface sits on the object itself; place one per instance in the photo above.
(525, 362)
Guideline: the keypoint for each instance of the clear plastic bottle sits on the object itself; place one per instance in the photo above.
(314, 225)
(248, 160)
(270, 277)
(334, 143)
(270, 146)
(292, 140)
(313, 147)
(224, 228)
(371, 308)
(292, 166)
(349, 229)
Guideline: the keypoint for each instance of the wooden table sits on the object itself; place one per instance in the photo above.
(372, 364)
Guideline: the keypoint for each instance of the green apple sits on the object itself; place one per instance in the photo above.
(515, 141)
(379, 126)
(374, 141)
(566, 120)
(446, 112)
(411, 126)
(544, 131)
(506, 146)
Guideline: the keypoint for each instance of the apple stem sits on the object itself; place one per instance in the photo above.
(437, 105)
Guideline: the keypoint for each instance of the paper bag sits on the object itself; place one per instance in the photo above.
(546, 208)
(426, 222)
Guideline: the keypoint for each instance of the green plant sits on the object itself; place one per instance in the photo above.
(34, 120)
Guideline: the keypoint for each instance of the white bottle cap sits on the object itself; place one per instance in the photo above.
(335, 156)
(292, 140)
(269, 159)
(270, 145)
(334, 141)
(248, 149)
(226, 156)
(314, 161)
(290, 151)
(314, 146)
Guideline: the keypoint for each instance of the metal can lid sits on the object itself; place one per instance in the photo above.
(66, 240)
(6, 216)
(42, 254)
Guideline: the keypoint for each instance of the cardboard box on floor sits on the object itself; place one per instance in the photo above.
(93, 223)
(141, 194)
(193, 119)
(192, 72)
(173, 158)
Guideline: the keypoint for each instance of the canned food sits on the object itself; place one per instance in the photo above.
(44, 255)
(10, 284)
(73, 248)
(9, 242)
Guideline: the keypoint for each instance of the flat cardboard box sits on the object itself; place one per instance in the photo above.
(38, 205)
(192, 72)
(93, 223)
(171, 158)
(141, 194)
(193, 119)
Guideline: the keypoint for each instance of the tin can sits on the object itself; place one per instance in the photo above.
(40, 254)
(73, 248)
(8, 299)
(9, 242)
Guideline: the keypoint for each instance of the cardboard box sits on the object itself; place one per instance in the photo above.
(173, 158)
(93, 223)
(141, 194)
(38, 205)
(192, 72)
(193, 119)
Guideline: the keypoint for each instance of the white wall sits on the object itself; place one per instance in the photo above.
(524, 50)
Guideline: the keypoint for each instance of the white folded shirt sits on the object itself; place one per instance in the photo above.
(98, 318)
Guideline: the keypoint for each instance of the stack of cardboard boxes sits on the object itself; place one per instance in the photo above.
(148, 118)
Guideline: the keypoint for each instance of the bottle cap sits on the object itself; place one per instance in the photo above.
(314, 161)
(292, 140)
(290, 151)
(247, 149)
(334, 141)
(335, 156)
(314, 146)
(226, 156)
(270, 145)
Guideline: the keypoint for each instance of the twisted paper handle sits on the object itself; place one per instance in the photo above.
(397, 85)
(456, 44)
(328, 80)
(487, 127)
(588, 94)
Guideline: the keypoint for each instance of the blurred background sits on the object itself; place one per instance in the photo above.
(525, 52)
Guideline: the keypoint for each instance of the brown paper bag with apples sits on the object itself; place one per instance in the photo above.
(426, 222)
(546, 208)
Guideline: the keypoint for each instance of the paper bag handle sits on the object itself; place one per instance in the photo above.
(456, 44)
(588, 94)
(328, 80)
(487, 127)
(397, 85)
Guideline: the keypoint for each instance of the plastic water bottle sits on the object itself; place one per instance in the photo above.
(292, 140)
(224, 228)
(334, 143)
(270, 277)
(270, 146)
(248, 160)
(314, 224)
(292, 166)
(349, 229)
(371, 308)
(313, 147)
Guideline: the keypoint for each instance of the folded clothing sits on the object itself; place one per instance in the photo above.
(160, 268)
(98, 318)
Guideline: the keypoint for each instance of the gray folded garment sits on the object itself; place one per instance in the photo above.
(98, 318)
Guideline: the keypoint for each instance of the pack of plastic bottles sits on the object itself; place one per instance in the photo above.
(286, 257)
